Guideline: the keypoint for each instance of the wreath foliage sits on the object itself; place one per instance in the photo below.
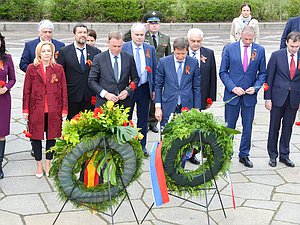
(84, 137)
(183, 134)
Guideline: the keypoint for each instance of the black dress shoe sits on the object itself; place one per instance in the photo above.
(287, 162)
(246, 161)
(153, 129)
(194, 160)
(272, 163)
(32, 153)
(146, 154)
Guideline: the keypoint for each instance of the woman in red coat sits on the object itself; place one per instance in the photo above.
(7, 81)
(45, 102)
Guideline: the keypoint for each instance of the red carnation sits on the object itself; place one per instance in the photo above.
(297, 123)
(76, 117)
(124, 124)
(27, 134)
(97, 111)
(93, 100)
(209, 101)
(186, 109)
(132, 85)
(265, 86)
(131, 123)
(148, 68)
(2, 83)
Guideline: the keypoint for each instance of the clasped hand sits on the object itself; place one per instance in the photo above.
(240, 91)
(3, 90)
(115, 98)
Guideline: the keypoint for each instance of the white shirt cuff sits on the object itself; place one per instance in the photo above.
(103, 93)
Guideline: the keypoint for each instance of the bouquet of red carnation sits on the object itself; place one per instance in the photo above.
(93, 100)
(26, 132)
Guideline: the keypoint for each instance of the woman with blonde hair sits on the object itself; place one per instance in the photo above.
(239, 23)
(45, 102)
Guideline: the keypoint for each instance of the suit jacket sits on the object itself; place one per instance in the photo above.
(293, 24)
(77, 80)
(208, 73)
(163, 46)
(279, 81)
(149, 52)
(28, 54)
(102, 76)
(167, 88)
(232, 73)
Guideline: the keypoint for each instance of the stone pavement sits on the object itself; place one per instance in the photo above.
(264, 195)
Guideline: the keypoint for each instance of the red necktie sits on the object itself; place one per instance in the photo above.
(292, 67)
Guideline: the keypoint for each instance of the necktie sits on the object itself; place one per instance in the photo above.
(82, 61)
(245, 60)
(179, 72)
(194, 54)
(292, 67)
(138, 61)
(116, 68)
(179, 75)
(154, 41)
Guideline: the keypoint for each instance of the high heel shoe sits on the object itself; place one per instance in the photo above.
(39, 175)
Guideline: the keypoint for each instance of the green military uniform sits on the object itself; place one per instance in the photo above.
(163, 46)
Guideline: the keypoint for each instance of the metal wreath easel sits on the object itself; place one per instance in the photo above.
(207, 200)
(112, 212)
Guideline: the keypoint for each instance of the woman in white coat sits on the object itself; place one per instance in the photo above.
(239, 23)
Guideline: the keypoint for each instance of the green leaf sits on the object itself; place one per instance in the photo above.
(113, 175)
(231, 131)
(125, 134)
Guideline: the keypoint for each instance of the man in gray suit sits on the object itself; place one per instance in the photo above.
(113, 75)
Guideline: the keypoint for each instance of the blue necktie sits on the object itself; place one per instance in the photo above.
(82, 61)
(194, 54)
(116, 68)
(138, 61)
(179, 72)
(179, 75)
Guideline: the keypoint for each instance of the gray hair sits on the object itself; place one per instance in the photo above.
(45, 24)
(138, 26)
(180, 43)
(248, 30)
(196, 31)
(115, 35)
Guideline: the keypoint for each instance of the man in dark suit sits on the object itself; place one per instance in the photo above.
(207, 62)
(45, 31)
(283, 98)
(293, 24)
(76, 60)
(113, 75)
(177, 83)
(145, 61)
(162, 45)
(243, 72)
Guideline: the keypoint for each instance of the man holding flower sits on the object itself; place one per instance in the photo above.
(243, 72)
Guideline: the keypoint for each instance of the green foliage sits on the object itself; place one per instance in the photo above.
(133, 10)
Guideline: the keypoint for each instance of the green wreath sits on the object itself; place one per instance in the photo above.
(84, 138)
(184, 133)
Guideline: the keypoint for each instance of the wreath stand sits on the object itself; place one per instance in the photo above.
(112, 212)
(207, 200)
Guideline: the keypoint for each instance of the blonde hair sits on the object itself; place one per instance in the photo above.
(38, 51)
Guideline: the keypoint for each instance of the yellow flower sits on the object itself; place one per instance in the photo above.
(110, 104)
(140, 136)
(73, 122)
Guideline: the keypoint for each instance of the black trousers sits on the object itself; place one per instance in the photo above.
(76, 107)
(37, 144)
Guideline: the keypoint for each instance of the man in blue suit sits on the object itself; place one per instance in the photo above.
(243, 72)
(145, 61)
(283, 98)
(177, 83)
(45, 31)
(293, 24)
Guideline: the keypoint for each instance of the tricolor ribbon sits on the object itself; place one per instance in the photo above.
(231, 189)
(158, 180)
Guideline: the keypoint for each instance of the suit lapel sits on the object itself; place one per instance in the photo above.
(74, 56)
(238, 54)
(173, 70)
(109, 65)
